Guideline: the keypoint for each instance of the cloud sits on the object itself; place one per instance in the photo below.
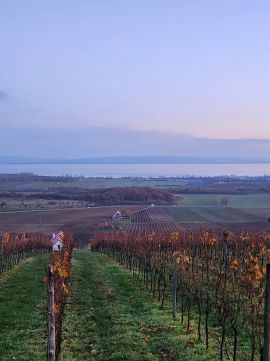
(4, 96)
(103, 141)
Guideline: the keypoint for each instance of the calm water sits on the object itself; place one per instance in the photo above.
(139, 170)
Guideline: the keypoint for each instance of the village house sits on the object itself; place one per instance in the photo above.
(57, 241)
(117, 214)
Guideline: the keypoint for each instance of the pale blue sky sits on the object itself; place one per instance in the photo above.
(192, 69)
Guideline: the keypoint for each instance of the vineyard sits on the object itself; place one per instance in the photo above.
(220, 280)
(158, 219)
(19, 252)
(198, 219)
(16, 247)
(206, 281)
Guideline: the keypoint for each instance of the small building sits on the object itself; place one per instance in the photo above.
(117, 214)
(57, 241)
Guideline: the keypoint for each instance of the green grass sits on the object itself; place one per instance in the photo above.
(41, 186)
(219, 214)
(23, 311)
(111, 317)
(235, 200)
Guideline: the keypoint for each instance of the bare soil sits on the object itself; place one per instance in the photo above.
(48, 221)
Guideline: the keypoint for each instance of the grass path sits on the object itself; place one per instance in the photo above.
(110, 317)
(22, 311)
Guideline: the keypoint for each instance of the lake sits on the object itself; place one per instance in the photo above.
(139, 170)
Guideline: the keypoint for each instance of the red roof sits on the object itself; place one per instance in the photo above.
(58, 237)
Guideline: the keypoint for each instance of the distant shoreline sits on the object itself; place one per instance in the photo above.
(130, 160)
(124, 170)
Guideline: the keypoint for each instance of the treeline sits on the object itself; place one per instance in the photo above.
(109, 196)
(29, 177)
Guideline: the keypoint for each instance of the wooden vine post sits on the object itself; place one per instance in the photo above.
(51, 316)
(2, 250)
(266, 345)
(174, 282)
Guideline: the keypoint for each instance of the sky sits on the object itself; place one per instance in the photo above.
(99, 78)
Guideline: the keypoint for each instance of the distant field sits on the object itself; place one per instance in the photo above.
(13, 204)
(39, 186)
(260, 200)
(86, 220)
(48, 221)
(20, 192)
(219, 214)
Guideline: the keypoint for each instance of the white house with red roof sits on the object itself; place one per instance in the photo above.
(117, 214)
(57, 241)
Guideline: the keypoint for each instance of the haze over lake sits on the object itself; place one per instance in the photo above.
(139, 170)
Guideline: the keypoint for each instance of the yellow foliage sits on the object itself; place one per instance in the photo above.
(5, 237)
(182, 259)
(174, 236)
(234, 264)
(56, 309)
